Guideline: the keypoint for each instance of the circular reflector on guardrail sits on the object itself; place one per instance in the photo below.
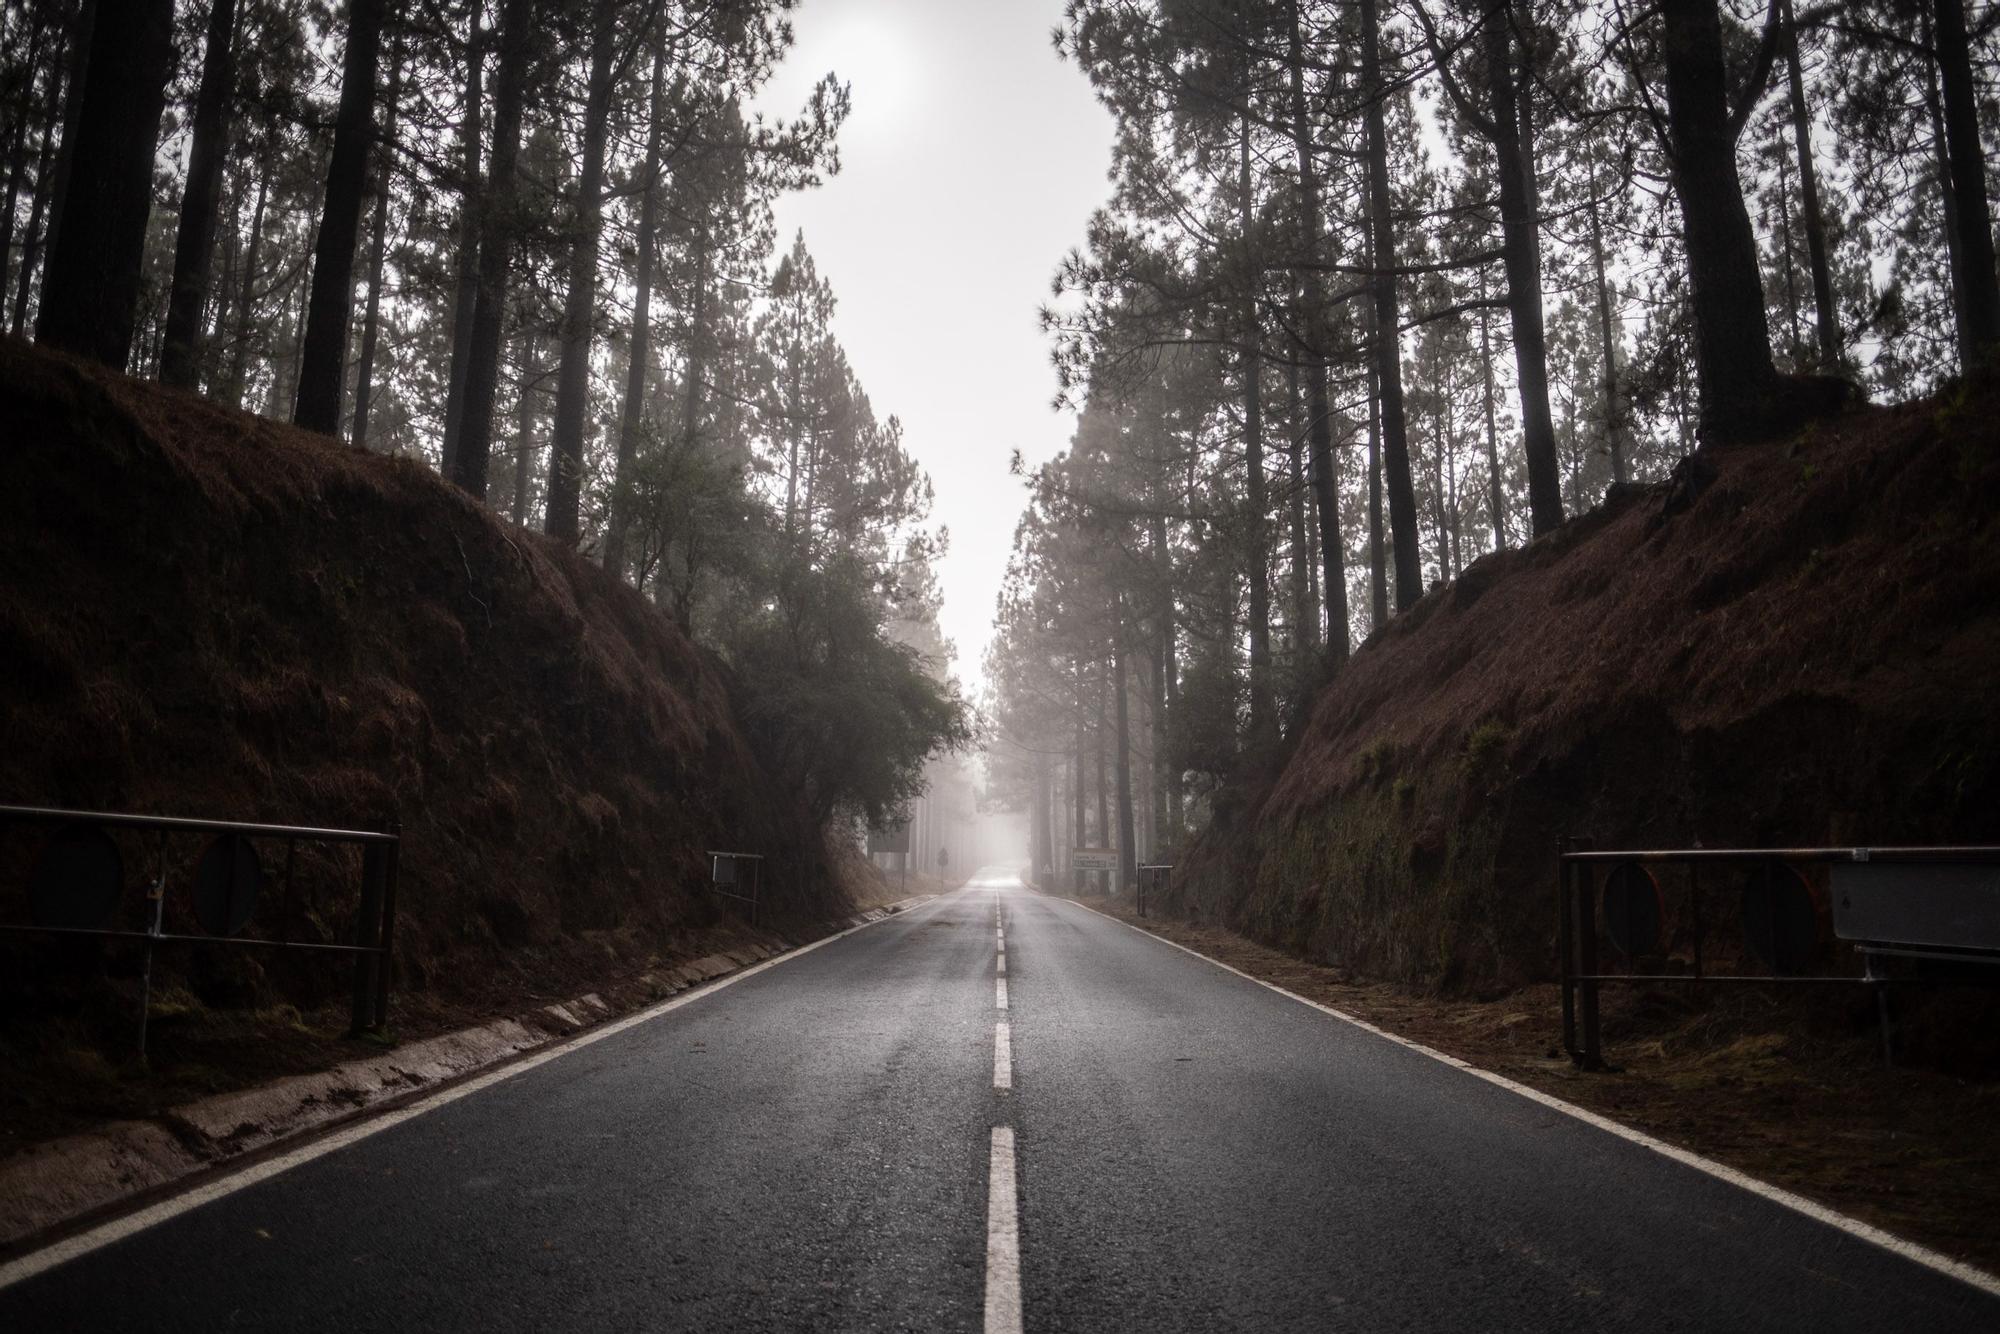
(226, 882)
(1783, 919)
(1633, 910)
(77, 879)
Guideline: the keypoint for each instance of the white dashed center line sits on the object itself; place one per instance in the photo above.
(1003, 1231)
(1003, 1240)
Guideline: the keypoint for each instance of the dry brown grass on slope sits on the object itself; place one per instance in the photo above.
(206, 613)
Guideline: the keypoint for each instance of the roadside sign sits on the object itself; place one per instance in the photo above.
(895, 838)
(1093, 859)
(1926, 905)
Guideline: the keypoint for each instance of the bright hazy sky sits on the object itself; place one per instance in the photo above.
(971, 162)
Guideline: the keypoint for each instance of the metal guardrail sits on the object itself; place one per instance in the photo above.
(1154, 877)
(725, 868)
(77, 880)
(1785, 920)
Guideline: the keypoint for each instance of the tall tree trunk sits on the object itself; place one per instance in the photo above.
(227, 275)
(1796, 344)
(1076, 833)
(1058, 822)
(245, 313)
(1496, 503)
(794, 428)
(194, 244)
(378, 249)
(1167, 784)
(17, 167)
(693, 364)
(1732, 336)
(465, 294)
(225, 280)
(526, 451)
(1947, 198)
(1386, 334)
(288, 330)
(1521, 248)
(284, 387)
(631, 419)
(323, 362)
(564, 520)
(1263, 718)
(34, 240)
(496, 250)
(1319, 405)
(1128, 873)
(1978, 282)
(1378, 553)
(1044, 851)
(1145, 779)
(1305, 615)
(1438, 460)
(809, 506)
(1103, 773)
(1614, 416)
(76, 65)
(1828, 322)
(17, 162)
(90, 295)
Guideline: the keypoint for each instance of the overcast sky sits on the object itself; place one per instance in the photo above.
(971, 162)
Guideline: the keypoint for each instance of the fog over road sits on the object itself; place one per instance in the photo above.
(995, 1108)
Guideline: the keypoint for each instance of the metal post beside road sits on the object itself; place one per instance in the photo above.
(725, 868)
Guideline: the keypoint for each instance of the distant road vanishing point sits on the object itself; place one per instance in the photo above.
(996, 1111)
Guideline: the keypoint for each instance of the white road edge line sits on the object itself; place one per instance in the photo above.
(1003, 1056)
(1003, 1239)
(1853, 1227)
(117, 1229)
(999, 993)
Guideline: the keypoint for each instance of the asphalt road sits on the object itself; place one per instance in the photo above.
(836, 1143)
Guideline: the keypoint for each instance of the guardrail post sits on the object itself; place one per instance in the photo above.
(1591, 1056)
(1566, 948)
(368, 934)
(392, 855)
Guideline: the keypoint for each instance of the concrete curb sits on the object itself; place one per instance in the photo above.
(52, 1185)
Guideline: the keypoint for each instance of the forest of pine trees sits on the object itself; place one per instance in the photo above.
(1385, 285)
(529, 243)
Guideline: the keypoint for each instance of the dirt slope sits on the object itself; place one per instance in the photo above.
(205, 613)
(1798, 644)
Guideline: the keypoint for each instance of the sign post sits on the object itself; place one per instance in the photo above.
(893, 838)
(1093, 859)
